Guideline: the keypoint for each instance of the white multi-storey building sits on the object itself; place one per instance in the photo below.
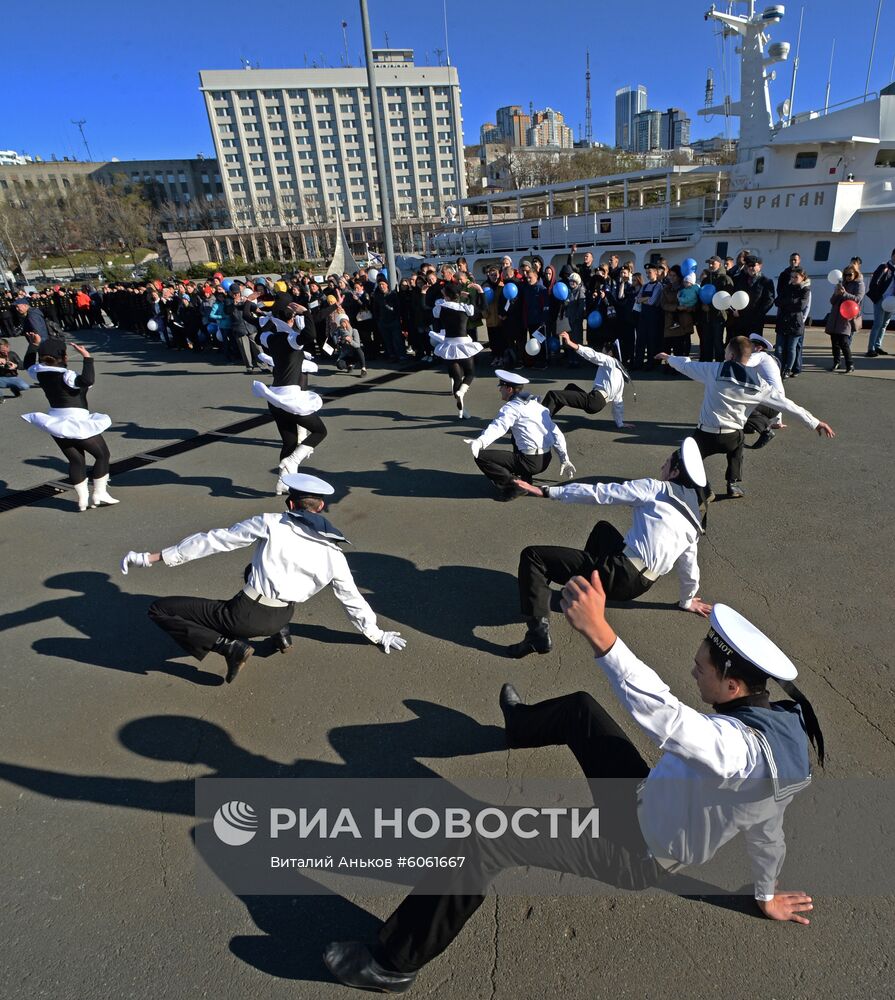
(295, 146)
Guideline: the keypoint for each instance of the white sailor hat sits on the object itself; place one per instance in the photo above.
(510, 378)
(738, 638)
(691, 459)
(757, 338)
(298, 482)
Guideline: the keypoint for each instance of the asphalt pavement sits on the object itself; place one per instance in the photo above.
(105, 726)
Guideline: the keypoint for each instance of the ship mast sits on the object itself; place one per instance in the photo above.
(754, 105)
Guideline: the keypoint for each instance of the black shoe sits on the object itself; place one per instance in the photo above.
(849, 370)
(735, 491)
(872, 354)
(794, 374)
(837, 366)
(764, 438)
(351, 964)
(15, 390)
(235, 652)
(879, 350)
(509, 699)
(536, 639)
(283, 639)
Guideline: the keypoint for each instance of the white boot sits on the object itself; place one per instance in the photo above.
(301, 453)
(101, 493)
(459, 395)
(81, 491)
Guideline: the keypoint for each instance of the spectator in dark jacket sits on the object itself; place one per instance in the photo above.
(711, 327)
(387, 314)
(792, 307)
(761, 298)
(535, 311)
(882, 286)
(840, 329)
(795, 264)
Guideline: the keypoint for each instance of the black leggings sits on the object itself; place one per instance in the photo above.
(462, 372)
(288, 424)
(841, 348)
(76, 451)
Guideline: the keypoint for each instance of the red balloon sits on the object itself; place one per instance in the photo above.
(849, 309)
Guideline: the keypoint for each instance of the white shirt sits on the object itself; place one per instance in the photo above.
(608, 380)
(726, 405)
(292, 562)
(662, 535)
(531, 425)
(292, 332)
(769, 370)
(706, 787)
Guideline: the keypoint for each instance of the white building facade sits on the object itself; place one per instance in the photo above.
(295, 146)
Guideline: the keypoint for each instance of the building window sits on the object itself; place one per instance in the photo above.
(822, 250)
(806, 161)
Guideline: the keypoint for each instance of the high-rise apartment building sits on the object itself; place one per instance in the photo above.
(647, 133)
(295, 146)
(512, 123)
(675, 129)
(489, 133)
(629, 102)
(548, 129)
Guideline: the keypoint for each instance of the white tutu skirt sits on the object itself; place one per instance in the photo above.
(72, 422)
(290, 398)
(454, 348)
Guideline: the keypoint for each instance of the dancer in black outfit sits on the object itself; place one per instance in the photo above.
(293, 406)
(453, 345)
(77, 431)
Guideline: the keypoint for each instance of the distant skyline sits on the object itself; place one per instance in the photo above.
(135, 78)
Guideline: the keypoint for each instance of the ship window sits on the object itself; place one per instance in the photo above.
(759, 164)
(885, 158)
(721, 249)
(806, 161)
(822, 250)
(605, 225)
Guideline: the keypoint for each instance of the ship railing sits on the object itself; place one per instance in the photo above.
(803, 116)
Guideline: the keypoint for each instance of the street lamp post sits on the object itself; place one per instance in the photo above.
(381, 172)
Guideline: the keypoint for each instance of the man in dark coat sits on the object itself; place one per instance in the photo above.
(761, 294)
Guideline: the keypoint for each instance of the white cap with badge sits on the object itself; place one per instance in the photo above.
(691, 459)
(510, 378)
(757, 338)
(735, 636)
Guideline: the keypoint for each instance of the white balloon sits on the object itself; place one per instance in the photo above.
(835, 276)
(739, 300)
(372, 274)
(152, 326)
(532, 346)
(721, 300)
(889, 304)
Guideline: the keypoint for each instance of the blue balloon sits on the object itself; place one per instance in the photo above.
(595, 319)
(212, 328)
(510, 292)
(227, 284)
(561, 291)
(706, 293)
(383, 272)
(689, 266)
(488, 292)
(553, 345)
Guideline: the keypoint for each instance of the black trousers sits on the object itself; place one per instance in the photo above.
(502, 466)
(425, 924)
(76, 451)
(196, 623)
(541, 565)
(461, 371)
(841, 344)
(591, 401)
(288, 424)
(760, 419)
(729, 443)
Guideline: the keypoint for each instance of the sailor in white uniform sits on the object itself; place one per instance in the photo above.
(76, 430)
(732, 771)
(732, 391)
(534, 433)
(608, 387)
(293, 406)
(296, 555)
(666, 528)
(764, 419)
(452, 343)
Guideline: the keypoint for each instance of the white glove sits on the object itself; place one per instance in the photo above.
(137, 558)
(391, 640)
(567, 469)
(475, 444)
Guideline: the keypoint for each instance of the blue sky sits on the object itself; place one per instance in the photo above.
(132, 70)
